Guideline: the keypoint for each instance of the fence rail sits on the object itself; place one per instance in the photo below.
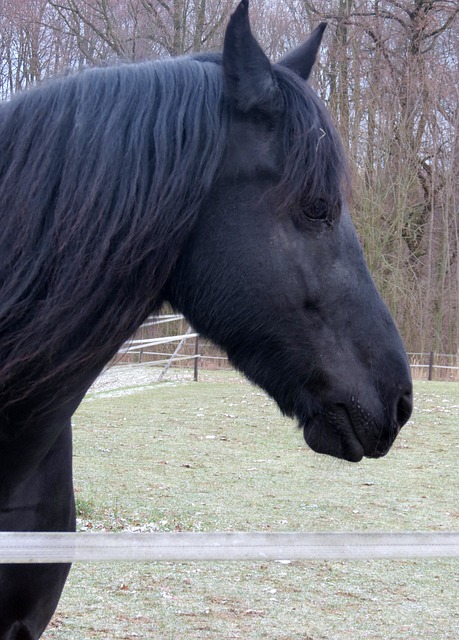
(187, 547)
(432, 366)
(174, 349)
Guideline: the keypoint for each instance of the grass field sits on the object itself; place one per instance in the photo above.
(217, 456)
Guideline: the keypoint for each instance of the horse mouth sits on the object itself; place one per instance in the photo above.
(346, 432)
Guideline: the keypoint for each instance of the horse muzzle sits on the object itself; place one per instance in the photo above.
(350, 432)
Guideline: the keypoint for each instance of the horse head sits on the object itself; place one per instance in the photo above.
(273, 271)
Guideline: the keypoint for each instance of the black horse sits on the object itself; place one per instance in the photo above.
(216, 183)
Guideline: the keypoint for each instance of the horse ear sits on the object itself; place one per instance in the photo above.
(301, 60)
(249, 78)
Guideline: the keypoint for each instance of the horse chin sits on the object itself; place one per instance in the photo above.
(323, 437)
(344, 432)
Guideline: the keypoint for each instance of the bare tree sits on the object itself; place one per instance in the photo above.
(388, 71)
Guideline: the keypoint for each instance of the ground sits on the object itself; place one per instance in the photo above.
(216, 455)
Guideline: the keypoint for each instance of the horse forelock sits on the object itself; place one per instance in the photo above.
(315, 163)
(101, 178)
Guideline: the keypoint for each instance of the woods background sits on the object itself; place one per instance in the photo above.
(388, 71)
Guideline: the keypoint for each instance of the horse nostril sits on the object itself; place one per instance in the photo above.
(404, 408)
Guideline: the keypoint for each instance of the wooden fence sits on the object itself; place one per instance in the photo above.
(434, 366)
(168, 341)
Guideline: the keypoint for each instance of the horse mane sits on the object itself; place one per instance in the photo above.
(102, 176)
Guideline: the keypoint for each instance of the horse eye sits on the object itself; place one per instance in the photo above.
(318, 210)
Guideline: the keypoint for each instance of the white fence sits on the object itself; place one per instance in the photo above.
(145, 345)
(427, 365)
(17, 547)
(186, 547)
(143, 349)
(181, 547)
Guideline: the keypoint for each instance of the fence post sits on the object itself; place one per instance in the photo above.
(171, 359)
(431, 364)
(196, 358)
